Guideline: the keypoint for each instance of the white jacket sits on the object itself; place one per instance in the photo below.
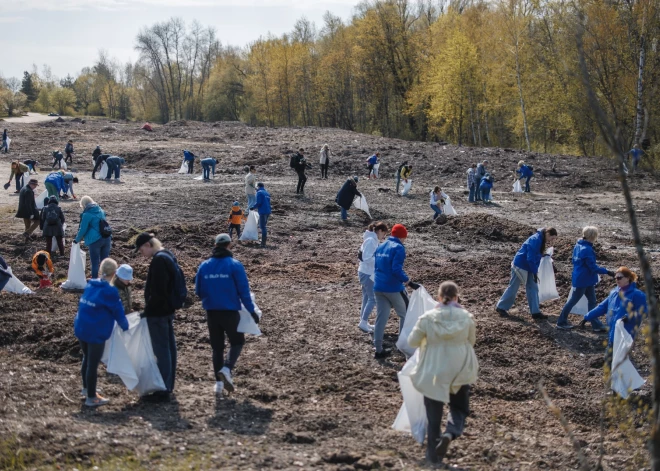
(250, 184)
(324, 156)
(369, 245)
(434, 198)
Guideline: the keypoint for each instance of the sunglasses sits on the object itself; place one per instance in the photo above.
(619, 277)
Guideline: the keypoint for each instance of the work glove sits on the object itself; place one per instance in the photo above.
(255, 317)
(536, 278)
(6, 185)
(413, 285)
(610, 273)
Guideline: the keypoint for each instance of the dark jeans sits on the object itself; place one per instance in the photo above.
(3, 283)
(398, 182)
(97, 166)
(527, 190)
(263, 224)
(98, 251)
(19, 181)
(324, 170)
(68, 157)
(49, 244)
(459, 408)
(590, 293)
(113, 168)
(161, 331)
(237, 227)
(477, 182)
(206, 170)
(190, 166)
(221, 323)
(302, 178)
(92, 353)
(57, 162)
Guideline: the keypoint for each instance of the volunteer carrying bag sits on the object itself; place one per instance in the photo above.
(184, 167)
(361, 203)
(247, 325)
(76, 277)
(625, 377)
(420, 302)
(406, 188)
(251, 229)
(14, 285)
(412, 415)
(53, 246)
(41, 199)
(449, 209)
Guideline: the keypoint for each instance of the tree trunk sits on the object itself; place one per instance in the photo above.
(640, 89)
(522, 101)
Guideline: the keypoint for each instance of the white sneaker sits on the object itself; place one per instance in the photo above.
(219, 387)
(364, 326)
(96, 401)
(83, 393)
(225, 374)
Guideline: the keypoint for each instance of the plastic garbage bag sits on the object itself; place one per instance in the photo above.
(547, 284)
(374, 171)
(406, 188)
(582, 306)
(449, 209)
(420, 302)
(361, 203)
(247, 324)
(14, 285)
(41, 199)
(117, 359)
(103, 172)
(517, 187)
(63, 164)
(625, 377)
(53, 246)
(76, 277)
(8, 143)
(412, 415)
(251, 229)
(184, 167)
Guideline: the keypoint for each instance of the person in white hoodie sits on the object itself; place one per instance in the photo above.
(437, 201)
(372, 237)
(446, 369)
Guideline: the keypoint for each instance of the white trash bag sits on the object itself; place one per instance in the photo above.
(374, 171)
(582, 306)
(76, 277)
(247, 325)
(625, 377)
(103, 172)
(63, 163)
(8, 143)
(361, 203)
(251, 229)
(420, 302)
(14, 285)
(517, 187)
(184, 167)
(449, 209)
(406, 188)
(547, 284)
(53, 246)
(41, 199)
(412, 415)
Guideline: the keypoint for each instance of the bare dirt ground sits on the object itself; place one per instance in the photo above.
(310, 395)
(29, 118)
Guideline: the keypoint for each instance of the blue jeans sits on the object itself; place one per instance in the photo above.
(252, 200)
(437, 211)
(368, 296)
(112, 168)
(527, 184)
(206, 170)
(590, 293)
(477, 190)
(161, 331)
(473, 193)
(344, 213)
(98, 251)
(531, 290)
(263, 222)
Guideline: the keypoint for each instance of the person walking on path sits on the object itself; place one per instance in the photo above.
(437, 200)
(189, 157)
(524, 271)
(114, 164)
(584, 278)
(18, 171)
(389, 285)
(472, 183)
(222, 285)
(236, 217)
(636, 155)
(447, 367)
(371, 161)
(122, 281)
(263, 209)
(27, 208)
(524, 171)
(251, 186)
(51, 223)
(324, 161)
(346, 195)
(5, 142)
(372, 237)
(208, 164)
(68, 150)
(98, 163)
(159, 296)
(398, 175)
(94, 230)
(478, 175)
(300, 166)
(98, 310)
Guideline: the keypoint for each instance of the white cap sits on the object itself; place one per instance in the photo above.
(125, 272)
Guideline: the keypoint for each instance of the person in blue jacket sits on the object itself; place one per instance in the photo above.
(263, 209)
(55, 184)
(485, 185)
(625, 302)
(585, 278)
(524, 171)
(208, 164)
(114, 164)
(389, 285)
(636, 155)
(98, 309)
(189, 157)
(524, 270)
(222, 285)
(371, 161)
(90, 232)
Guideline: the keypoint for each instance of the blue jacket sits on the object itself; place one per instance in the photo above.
(616, 307)
(89, 224)
(114, 160)
(98, 309)
(57, 180)
(263, 202)
(373, 160)
(485, 184)
(187, 155)
(222, 284)
(529, 256)
(68, 148)
(585, 269)
(208, 162)
(389, 276)
(525, 171)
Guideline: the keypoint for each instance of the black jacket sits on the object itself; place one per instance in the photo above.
(347, 194)
(27, 206)
(96, 153)
(159, 286)
(301, 163)
(52, 230)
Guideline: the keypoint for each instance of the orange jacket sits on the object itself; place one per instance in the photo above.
(236, 216)
(35, 265)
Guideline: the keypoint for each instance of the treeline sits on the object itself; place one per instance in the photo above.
(503, 73)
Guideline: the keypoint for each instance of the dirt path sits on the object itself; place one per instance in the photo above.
(31, 118)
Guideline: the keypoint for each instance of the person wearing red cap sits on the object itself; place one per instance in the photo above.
(390, 284)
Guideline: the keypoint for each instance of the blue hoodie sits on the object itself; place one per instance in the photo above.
(187, 155)
(616, 307)
(263, 201)
(585, 269)
(89, 224)
(222, 284)
(373, 160)
(525, 171)
(57, 180)
(98, 309)
(529, 256)
(389, 276)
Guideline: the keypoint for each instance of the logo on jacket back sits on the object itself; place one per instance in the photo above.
(89, 303)
(216, 276)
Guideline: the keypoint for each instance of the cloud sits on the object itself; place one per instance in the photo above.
(11, 19)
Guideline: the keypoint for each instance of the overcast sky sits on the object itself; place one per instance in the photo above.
(67, 34)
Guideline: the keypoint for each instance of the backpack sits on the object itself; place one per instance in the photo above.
(52, 218)
(104, 228)
(293, 161)
(179, 290)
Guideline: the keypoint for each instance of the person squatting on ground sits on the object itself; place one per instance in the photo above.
(485, 187)
(300, 165)
(98, 163)
(95, 231)
(19, 170)
(5, 142)
(114, 164)
(526, 172)
(159, 296)
(68, 150)
(57, 159)
(27, 208)
(346, 195)
(250, 186)
(405, 173)
(236, 217)
(208, 164)
(222, 285)
(98, 310)
(122, 281)
(51, 224)
(636, 155)
(472, 183)
(584, 278)
(625, 302)
(447, 367)
(524, 270)
(389, 285)
(398, 175)
(371, 161)
(43, 268)
(263, 209)
(480, 173)
(189, 157)
(324, 161)
(437, 201)
(372, 237)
